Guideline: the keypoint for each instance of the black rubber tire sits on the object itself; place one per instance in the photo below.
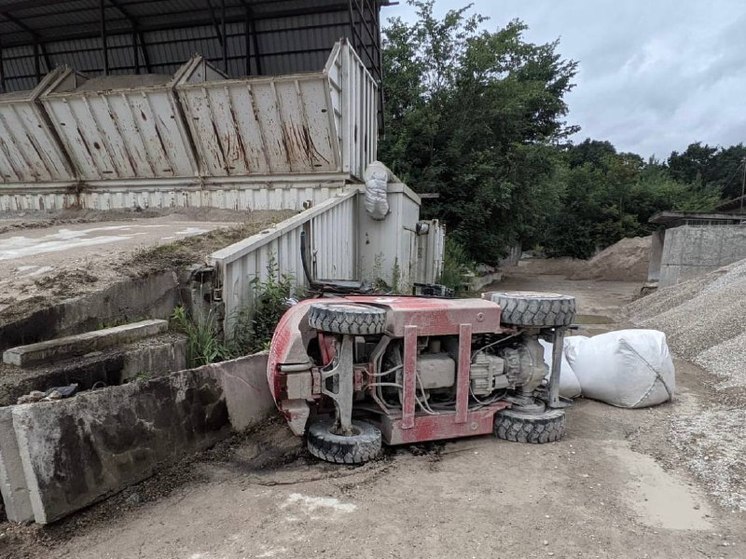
(347, 318)
(527, 308)
(338, 449)
(515, 426)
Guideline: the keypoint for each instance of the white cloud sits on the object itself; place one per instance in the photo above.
(654, 76)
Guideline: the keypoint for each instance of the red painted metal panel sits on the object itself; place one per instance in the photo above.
(441, 426)
(436, 317)
(464, 364)
(410, 376)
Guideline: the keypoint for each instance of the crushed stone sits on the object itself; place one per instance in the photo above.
(715, 448)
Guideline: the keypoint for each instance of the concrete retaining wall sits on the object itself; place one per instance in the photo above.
(75, 452)
(154, 296)
(689, 250)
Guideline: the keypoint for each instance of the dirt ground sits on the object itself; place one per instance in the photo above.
(614, 487)
(45, 258)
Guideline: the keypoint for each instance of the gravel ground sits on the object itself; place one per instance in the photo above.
(704, 321)
(713, 442)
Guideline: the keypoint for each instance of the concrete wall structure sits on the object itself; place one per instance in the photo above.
(691, 250)
(58, 457)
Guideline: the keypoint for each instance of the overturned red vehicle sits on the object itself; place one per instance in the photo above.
(352, 372)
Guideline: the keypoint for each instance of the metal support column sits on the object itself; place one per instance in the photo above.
(135, 53)
(2, 69)
(104, 50)
(257, 54)
(223, 35)
(247, 41)
(37, 64)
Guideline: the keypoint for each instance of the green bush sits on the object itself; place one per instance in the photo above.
(254, 326)
(456, 265)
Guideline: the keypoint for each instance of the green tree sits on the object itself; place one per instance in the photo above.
(472, 115)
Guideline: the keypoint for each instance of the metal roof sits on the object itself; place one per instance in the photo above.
(243, 37)
(674, 219)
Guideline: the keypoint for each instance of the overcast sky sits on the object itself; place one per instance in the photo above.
(654, 75)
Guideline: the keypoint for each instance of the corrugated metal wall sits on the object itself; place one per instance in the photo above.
(332, 229)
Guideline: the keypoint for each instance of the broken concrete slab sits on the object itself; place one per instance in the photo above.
(143, 360)
(152, 296)
(246, 390)
(77, 451)
(81, 344)
(12, 479)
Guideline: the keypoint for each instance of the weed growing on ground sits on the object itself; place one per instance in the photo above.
(205, 342)
(255, 325)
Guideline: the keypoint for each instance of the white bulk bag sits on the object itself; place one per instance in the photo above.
(626, 368)
(569, 385)
(377, 177)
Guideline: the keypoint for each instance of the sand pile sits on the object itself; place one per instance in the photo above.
(626, 260)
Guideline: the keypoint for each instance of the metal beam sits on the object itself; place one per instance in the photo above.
(104, 49)
(2, 68)
(223, 35)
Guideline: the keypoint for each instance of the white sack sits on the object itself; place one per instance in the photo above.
(626, 368)
(376, 177)
(569, 385)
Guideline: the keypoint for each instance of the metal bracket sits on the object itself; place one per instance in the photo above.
(344, 382)
(558, 341)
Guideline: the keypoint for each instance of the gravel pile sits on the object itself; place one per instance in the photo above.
(715, 449)
(699, 314)
(704, 323)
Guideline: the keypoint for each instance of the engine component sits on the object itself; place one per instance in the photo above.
(487, 374)
(436, 370)
(524, 365)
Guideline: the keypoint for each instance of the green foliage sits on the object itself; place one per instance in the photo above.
(254, 326)
(471, 115)
(478, 117)
(205, 343)
(456, 265)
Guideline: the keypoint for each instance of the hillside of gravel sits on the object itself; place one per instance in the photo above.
(704, 323)
(699, 314)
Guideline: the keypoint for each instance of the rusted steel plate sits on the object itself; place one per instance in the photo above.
(29, 150)
(128, 129)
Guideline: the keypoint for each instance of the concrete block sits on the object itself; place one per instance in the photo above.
(247, 395)
(77, 451)
(12, 479)
(153, 296)
(156, 358)
(81, 344)
(61, 456)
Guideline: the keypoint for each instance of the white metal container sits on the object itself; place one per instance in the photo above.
(29, 149)
(315, 122)
(120, 127)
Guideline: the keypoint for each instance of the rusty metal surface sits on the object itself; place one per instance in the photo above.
(316, 122)
(259, 126)
(29, 150)
(441, 426)
(128, 132)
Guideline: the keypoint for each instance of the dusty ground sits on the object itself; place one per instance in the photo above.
(47, 258)
(615, 487)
